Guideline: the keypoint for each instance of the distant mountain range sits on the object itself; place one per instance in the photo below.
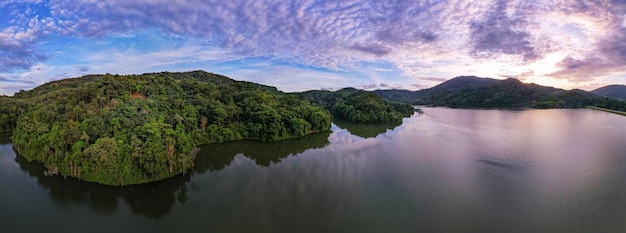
(613, 91)
(477, 92)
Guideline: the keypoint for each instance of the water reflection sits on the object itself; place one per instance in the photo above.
(448, 170)
(366, 130)
(155, 200)
(152, 200)
(5, 138)
(215, 157)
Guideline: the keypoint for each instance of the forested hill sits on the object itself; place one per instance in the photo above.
(475, 92)
(358, 106)
(121, 130)
(613, 91)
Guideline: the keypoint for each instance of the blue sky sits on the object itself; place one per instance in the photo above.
(317, 44)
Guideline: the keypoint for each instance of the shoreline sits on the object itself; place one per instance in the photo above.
(607, 110)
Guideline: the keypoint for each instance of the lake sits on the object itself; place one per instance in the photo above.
(446, 170)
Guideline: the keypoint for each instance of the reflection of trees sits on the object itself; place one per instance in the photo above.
(156, 199)
(5, 138)
(214, 157)
(366, 130)
(152, 200)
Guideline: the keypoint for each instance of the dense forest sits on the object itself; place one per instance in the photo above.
(121, 130)
(358, 106)
(475, 92)
(10, 109)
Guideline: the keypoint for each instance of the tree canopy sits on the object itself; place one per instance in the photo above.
(358, 106)
(475, 92)
(121, 130)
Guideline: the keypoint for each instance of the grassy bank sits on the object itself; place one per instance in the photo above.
(607, 110)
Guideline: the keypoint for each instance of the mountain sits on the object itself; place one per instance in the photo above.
(415, 97)
(476, 92)
(121, 130)
(613, 91)
(460, 83)
(486, 93)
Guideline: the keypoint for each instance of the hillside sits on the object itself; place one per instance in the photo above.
(358, 106)
(475, 92)
(399, 95)
(612, 91)
(121, 130)
(461, 83)
(486, 93)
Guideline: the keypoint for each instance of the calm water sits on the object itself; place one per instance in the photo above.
(446, 170)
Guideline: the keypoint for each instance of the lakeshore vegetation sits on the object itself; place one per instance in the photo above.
(131, 129)
(122, 130)
(358, 106)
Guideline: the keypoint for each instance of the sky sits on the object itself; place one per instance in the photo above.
(299, 45)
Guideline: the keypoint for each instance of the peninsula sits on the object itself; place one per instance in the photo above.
(122, 130)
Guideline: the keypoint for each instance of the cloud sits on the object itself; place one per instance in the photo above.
(614, 46)
(82, 68)
(291, 79)
(12, 89)
(390, 86)
(419, 86)
(369, 86)
(6, 3)
(10, 85)
(13, 80)
(38, 73)
(187, 56)
(309, 32)
(585, 69)
(609, 53)
(423, 41)
(399, 37)
(17, 50)
(521, 76)
(570, 63)
(19, 58)
(503, 32)
(433, 79)
(377, 50)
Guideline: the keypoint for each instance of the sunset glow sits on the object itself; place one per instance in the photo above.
(317, 44)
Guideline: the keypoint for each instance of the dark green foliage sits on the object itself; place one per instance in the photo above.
(509, 93)
(121, 130)
(474, 92)
(10, 109)
(399, 96)
(358, 106)
(609, 103)
(367, 107)
(612, 91)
